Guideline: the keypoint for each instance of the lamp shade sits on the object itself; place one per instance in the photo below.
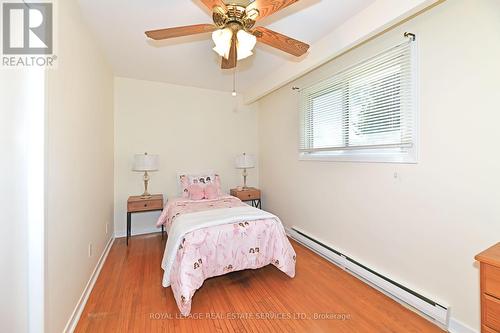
(145, 162)
(245, 161)
(246, 43)
(222, 39)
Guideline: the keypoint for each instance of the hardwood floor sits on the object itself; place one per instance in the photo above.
(128, 297)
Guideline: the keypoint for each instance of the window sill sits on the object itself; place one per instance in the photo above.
(406, 157)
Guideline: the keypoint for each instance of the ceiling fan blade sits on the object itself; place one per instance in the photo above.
(210, 4)
(279, 41)
(269, 7)
(233, 55)
(180, 31)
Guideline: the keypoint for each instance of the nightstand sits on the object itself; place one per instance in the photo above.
(248, 194)
(490, 289)
(137, 204)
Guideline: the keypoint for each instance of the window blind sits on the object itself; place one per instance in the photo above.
(367, 106)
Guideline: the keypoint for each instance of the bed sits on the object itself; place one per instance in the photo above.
(215, 236)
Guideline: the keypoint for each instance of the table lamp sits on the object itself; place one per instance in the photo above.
(144, 163)
(245, 162)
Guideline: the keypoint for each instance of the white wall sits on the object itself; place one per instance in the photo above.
(13, 201)
(191, 129)
(424, 228)
(79, 162)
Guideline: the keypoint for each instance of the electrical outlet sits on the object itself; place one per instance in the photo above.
(90, 250)
(397, 176)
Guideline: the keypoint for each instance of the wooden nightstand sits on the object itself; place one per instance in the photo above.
(248, 194)
(136, 204)
(490, 289)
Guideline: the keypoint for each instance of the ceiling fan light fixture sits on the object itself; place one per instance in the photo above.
(246, 43)
(222, 39)
(233, 29)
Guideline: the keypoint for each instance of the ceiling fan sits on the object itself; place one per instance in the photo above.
(233, 30)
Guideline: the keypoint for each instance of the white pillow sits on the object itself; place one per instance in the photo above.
(201, 179)
(192, 176)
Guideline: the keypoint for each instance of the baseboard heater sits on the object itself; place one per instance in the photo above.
(397, 291)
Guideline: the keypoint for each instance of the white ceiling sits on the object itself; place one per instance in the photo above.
(119, 25)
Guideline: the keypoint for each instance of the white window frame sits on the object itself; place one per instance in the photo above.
(379, 155)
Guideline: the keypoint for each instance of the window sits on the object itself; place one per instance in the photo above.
(365, 113)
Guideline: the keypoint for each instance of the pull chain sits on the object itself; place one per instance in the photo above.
(234, 83)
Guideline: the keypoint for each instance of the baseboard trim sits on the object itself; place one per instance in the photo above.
(77, 312)
(456, 326)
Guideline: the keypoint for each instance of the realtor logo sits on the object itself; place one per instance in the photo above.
(27, 28)
(27, 34)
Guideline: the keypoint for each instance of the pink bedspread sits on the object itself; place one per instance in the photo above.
(178, 206)
(217, 250)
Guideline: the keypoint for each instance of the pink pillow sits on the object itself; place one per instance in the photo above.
(211, 191)
(202, 181)
(196, 192)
